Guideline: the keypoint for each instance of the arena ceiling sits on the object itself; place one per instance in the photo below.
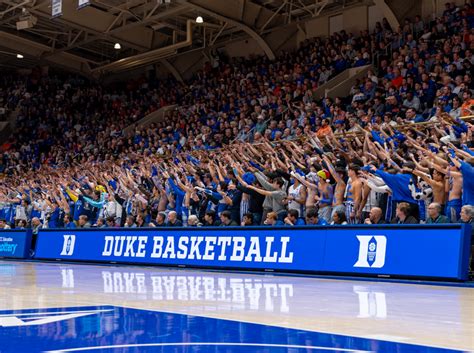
(147, 30)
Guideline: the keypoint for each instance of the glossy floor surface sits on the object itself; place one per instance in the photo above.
(59, 307)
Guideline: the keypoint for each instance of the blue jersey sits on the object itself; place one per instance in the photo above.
(399, 183)
(54, 218)
(179, 196)
(322, 222)
(35, 213)
(78, 207)
(71, 225)
(467, 183)
(10, 213)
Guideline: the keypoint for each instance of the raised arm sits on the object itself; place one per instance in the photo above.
(332, 170)
(427, 179)
(260, 191)
(304, 181)
(263, 181)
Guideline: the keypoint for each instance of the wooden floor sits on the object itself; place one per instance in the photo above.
(416, 314)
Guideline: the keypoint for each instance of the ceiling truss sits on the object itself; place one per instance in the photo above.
(87, 36)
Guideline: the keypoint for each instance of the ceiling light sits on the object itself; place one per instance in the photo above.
(117, 46)
(199, 19)
(19, 56)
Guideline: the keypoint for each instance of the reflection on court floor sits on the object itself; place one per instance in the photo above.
(117, 329)
(58, 307)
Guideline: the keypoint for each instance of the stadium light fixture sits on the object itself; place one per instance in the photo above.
(19, 56)
(199, 19)
(117, 46)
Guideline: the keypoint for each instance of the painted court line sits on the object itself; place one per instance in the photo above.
(57, 312)
(228, 344)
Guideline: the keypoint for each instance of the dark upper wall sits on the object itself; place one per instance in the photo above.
(403, 9)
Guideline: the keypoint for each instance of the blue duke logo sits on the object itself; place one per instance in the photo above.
(68, 245)
(372, 249)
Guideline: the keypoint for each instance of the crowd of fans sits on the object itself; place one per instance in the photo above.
(251, 144)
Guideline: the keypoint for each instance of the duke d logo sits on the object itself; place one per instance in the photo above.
(372, 250)
(68, 245)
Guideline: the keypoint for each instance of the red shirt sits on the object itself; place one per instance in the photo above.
(397, 82)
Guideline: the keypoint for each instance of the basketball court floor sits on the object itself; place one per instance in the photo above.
(55, 307)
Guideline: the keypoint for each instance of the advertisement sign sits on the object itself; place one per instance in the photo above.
(412, 251)
(421, 251)
(15, 243)
(263, 248)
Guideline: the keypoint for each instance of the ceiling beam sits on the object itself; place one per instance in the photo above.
(213, 40)
(114, 22)
(261, 42)
(261, 29)
(242, 10)
(19, 14)
(99, 35)
(325, 12)
(118, 8)
(34, 49)
(148, 19)
(15, 6)
(170, 67)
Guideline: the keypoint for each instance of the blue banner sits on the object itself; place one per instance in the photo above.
(418, 251)
(15, 243)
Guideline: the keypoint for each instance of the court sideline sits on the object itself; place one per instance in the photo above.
(414, 314)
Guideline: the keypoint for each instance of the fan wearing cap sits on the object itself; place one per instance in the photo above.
(325, 196)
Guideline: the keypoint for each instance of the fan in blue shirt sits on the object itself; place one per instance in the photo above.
(293, 218)
(467, 170)
(312, 218)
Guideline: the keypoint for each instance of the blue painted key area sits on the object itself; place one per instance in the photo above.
(421, 251)
(117, 329)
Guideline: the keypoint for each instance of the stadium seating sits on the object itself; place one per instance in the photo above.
(250, 143)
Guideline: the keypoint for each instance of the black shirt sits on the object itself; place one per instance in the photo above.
(408, 220)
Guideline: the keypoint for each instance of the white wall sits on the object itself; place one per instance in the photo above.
(318, 27)
(336, 23)
(244, 48)
(353, 20)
